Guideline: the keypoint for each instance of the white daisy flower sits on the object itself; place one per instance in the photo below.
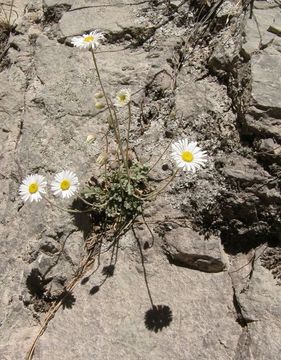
(32, 187)
(88, 41)
(65, 184)
(123, 97)
(188, 155)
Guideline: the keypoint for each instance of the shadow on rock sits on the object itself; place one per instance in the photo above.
(68, 300)
(94, 290)
(83, 221)
(36, 283)
(158, 317)
(108, 270)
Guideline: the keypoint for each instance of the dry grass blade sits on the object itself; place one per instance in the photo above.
(6, 11)
(6, 26)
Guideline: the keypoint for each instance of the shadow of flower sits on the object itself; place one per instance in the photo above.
(158, 317)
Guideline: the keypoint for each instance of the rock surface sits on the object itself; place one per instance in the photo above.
(217, 82)
(186, 247)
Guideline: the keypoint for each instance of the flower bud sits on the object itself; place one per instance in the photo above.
(98, 95)
(91, 138)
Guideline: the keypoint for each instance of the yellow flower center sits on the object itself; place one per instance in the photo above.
(33, 188)
(89, 38)
(187, 156)
(65, 184)
(122, 97)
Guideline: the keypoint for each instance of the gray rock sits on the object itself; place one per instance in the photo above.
(245, 170)
(275, 27)
(261, 30)
(266, 82)
(95, 16)
(227, 10)
(113, 316)
(260, 305)
(187, 248)
(47, 111)
(51, 3)
(264, 113)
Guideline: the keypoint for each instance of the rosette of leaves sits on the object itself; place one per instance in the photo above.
(117, 196)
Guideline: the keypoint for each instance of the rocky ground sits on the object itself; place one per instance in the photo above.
(209, 260)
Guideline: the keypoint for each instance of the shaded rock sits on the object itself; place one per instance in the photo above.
(247, 222)
(271, 259)
(269, 151)
(245, 171)
(187, 248)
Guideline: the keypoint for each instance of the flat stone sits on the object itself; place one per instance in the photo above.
(227, 9)
(110, 323)
(275, 27)
(95, 16)
(252, 37)
(265, 4)
(263, 125)
(51, 3)
(187, 248)
(245, 170)
(261, 30)
(261, 307)
(264, 113)
(266, 83)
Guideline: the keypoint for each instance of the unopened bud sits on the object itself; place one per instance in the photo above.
(99, 105)
(91, 138)
(102, 159)
(99, 95)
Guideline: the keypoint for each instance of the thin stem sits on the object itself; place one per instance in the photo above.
(65, 209)
(4, 12)
(105, 164)
(118, 136)
(128, 131)
(84, 200)
(101, 84)
(161, 156)
(113, 118)
(157, 192)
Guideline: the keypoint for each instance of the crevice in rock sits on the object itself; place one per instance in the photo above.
(240, 317)
(136, 35)
(243, 344)
(117, 5)
(53, 14)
